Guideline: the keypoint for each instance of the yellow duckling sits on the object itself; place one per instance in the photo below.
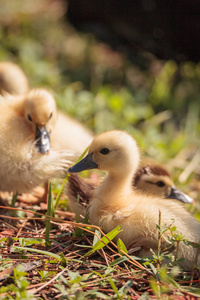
(115, 202)
(12, 79)
(151, 179)
(74, 137)
(25, 157)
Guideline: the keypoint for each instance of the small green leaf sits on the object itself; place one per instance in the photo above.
(118, 261)
(64, 280)
(63, 260)
(74, 277)
(121, 246)
(154, 269)
(96, 239)
(95, 293)
(114, 288)
(173, 228)
(14, 199)
(105, 240)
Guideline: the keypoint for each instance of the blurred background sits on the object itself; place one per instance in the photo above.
(131, 66)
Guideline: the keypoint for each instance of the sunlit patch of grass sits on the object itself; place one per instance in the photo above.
(106, 270)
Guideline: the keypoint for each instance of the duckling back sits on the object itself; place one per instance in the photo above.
(70, 134)
(12, 79)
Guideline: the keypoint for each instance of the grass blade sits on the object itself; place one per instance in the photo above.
(121, 246)
(48, 225)
(65, 180)
(114, 288)
(47, 253)
(104, 240)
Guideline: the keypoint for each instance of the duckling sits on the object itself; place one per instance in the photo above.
(25, 156)
(12, 79)
(151, 179)
(115, 202)
(74, 137)
(155, 180)
(38, 109)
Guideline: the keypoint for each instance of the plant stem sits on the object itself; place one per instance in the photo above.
(159, 240)
(48, 225)
(194, 265)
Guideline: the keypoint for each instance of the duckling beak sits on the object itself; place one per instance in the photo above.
(86, 163)
(176, 194)
(42, 138)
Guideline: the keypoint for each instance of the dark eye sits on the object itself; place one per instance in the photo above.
(160, 183)
(104, 151)
(51, 114)
(29, 117)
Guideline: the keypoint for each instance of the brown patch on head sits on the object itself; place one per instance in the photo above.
(150, 169)
(158, 170)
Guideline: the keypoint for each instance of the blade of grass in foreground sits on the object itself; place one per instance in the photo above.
(47, 253)
(78, 231)
(82, 155)
(115, 288)
(104, 240)
(65, 180)
(48, 225)
(14, 199)
(121, 246)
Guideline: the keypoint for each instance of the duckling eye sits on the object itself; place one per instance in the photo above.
(50, 116)
(160, 183)
(29, 117)
(104, 151)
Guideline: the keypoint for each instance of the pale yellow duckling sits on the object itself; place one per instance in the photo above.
(12, 79)
(115, 202)
(25, 157)
(68, 134)
(151, 179)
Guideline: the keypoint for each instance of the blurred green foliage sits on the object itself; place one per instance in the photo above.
(158, 103)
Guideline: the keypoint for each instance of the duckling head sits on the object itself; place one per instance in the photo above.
(114, 151)
(155, 180)
(40, 113)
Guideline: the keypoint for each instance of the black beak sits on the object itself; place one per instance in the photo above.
(176, 194)
(42, 138)
(85, 164)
